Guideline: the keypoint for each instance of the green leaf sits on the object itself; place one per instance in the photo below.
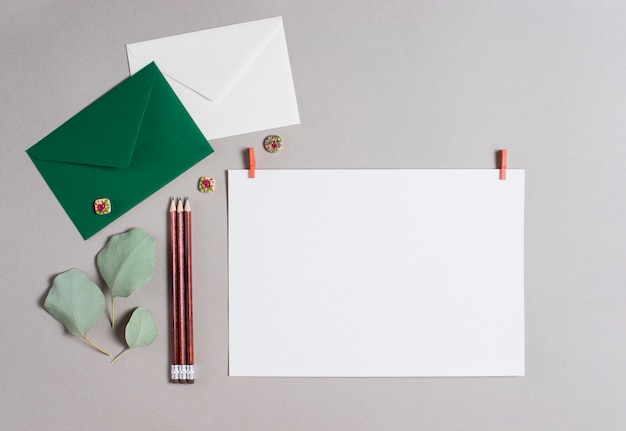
(77, 302)
(141, 330)
(126, 263)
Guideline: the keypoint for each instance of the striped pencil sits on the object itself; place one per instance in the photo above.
(188, 294)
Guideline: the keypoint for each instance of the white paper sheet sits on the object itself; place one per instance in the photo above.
(376, 273)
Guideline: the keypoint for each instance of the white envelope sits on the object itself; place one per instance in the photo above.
(233, 80)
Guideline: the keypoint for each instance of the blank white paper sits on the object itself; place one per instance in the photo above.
(370, 273)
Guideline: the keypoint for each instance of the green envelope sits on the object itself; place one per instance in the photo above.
(126, 145)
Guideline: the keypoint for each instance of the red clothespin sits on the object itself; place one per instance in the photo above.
(503, 165)
(252, 163)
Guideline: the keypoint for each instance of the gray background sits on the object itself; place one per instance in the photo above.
(399, 84)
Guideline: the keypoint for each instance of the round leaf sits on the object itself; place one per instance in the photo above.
(141, 329)
(75, 301)
(127, 262)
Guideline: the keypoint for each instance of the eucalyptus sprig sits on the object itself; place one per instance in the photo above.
(126, 264)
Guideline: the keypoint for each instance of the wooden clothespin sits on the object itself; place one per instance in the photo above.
(252, 163)
(503, 165)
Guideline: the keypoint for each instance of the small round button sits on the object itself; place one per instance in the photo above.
(206, 185)
(273, 144)
(102, 206)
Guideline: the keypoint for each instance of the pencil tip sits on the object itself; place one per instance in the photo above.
(172, 205)
(187, 205)
(179, 207)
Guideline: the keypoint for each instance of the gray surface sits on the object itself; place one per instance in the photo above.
(423, 84)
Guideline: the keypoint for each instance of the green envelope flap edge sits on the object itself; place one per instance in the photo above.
(87, 139)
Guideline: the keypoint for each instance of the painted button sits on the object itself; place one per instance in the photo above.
(206, 185)
(102, 206)
(273, 144)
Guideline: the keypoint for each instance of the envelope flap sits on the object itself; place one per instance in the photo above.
(211, 61)
(105, 132)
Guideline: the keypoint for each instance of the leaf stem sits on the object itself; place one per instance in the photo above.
(112, 312)
(95, 346)
(120, 354)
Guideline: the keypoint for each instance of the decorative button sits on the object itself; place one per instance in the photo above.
(206, 185)
(102, 206)
(273, 144)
